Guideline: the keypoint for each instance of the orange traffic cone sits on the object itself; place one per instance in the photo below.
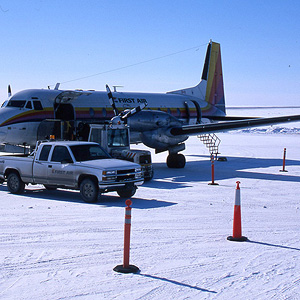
(237, 222)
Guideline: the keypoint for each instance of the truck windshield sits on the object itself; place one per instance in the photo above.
(88, 152)
(117, 138)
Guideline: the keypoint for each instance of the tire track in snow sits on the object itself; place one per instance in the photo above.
(63, 263)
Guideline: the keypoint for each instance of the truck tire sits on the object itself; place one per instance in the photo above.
(89, 190)
(127, 192)
(14, 183)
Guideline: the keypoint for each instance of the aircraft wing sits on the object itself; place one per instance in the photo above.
(230, 125)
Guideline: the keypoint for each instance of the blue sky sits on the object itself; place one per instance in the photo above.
(44, 42)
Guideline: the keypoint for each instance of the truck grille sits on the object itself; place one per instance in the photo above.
(124, 175)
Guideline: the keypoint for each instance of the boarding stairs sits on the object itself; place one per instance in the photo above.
(211, 142)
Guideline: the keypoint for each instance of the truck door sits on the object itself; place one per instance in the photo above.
(60, 167)
(40, 166)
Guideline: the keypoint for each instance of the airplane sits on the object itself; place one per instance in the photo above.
(164, 125)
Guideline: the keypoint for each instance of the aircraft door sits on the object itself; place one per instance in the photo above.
(66, 112)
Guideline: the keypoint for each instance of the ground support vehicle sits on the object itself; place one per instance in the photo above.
(73, 165)
(115, 139)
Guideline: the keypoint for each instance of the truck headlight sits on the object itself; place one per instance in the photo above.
(138, 173)
(109, 175)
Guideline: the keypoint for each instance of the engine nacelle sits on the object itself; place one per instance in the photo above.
(153, 127)
(148, 120)
(161, 139)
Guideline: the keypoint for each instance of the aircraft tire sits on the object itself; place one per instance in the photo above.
(89, 190)
(14, 183)
(176, 161)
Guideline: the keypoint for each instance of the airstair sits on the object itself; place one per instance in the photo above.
(211, 142)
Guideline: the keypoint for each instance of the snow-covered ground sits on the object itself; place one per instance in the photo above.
(55, 246)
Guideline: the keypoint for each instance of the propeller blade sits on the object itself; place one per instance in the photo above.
(111, 100)
(9, 91)
(134, 111)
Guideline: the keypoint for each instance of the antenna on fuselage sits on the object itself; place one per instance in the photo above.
(116, 86)
(9, 91)
(57, 86)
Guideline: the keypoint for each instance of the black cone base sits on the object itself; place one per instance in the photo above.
(240, 239)
(129, 269)
(213, 183)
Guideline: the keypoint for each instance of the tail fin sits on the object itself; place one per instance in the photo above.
(211, 87)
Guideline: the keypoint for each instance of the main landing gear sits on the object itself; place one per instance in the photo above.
(176, 160)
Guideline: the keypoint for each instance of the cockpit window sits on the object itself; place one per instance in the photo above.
(28, 105)
(37, 105)
(16, 103)
(4, 103)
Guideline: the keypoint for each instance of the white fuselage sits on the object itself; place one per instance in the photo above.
(22, 113)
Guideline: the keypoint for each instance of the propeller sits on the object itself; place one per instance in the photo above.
(111, 100)
(9, 91)
(133, 111)
(124, 115)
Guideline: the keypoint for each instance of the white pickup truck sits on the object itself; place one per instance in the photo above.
(72, 165)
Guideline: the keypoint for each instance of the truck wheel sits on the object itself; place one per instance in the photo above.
(89, 191)
(127, 192)
(14, 183)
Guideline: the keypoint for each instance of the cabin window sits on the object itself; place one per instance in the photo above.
(28, 105)
(16, 103)
(92, 112)
(169, 111)
(104, 112)
(37, 105)
(45, 152)
(178, 112)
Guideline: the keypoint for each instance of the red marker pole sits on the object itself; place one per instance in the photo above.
(126, 267)
(213, 172)
(283, 162)
(237, 221)
(127, 227)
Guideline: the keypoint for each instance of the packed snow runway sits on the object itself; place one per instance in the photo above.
(55, 246)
